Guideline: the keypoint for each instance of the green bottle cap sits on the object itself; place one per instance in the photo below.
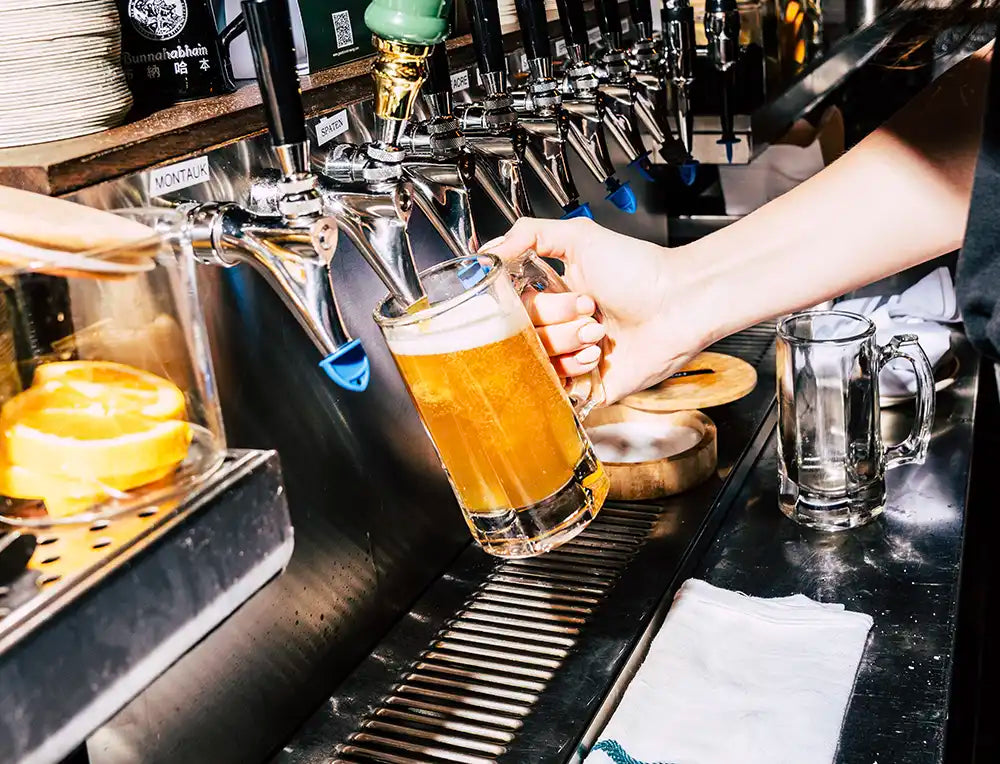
(417, 22)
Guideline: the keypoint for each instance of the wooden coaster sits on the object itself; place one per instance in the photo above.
(732, 379)
(654, 478)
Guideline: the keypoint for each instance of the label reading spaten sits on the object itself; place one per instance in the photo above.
(180, 175)
(460, 81)
(330, 127)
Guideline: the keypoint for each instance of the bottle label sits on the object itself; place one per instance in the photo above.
(158, 19)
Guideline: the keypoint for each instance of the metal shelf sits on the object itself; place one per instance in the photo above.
(105, 608)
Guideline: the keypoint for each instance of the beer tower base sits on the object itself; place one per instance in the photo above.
(514, 533)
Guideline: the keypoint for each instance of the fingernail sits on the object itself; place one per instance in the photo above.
(493, 243)
(585, 305)
(591, 332)
(588, 355)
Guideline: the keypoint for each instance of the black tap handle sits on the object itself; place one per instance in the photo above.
(270, 29)
(677, 10)
(573, 22)
(438, 72)
(609, 20)
(534, 28)
(486, 35)
(641, 12)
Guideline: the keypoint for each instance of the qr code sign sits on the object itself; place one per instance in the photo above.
(342, 29)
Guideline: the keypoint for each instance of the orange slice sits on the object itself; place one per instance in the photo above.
(66, 496)
(78, 444)
(117, 386)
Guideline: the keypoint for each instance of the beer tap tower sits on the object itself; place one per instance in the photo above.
(591, 110)
(496, 133)
(291, 235)
(679, 52)
(542, 107)
(624, 91)
(722, 29)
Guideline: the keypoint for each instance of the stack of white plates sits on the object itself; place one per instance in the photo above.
(60, 70)
(508, 14)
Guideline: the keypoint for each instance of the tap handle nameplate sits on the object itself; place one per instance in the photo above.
(641, 12)
(610, 21)
(573, 21)
(486, 35)
(534, 28)
(270, 30)
(438, 72)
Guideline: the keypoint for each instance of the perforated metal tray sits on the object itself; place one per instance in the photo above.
(104, 608)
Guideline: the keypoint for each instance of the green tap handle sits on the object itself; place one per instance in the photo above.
(415, 22)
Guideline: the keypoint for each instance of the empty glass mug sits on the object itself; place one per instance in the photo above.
(520, 464)
(831, 459)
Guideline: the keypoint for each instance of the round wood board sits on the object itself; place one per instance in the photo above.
(733, 378)
(666, 476)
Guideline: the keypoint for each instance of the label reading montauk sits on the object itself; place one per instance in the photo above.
(174, 177)
(460, 81)
(594, 35)
(560, 48)
(330, 127)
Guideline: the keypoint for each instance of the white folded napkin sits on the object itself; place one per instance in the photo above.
(732, 679)
(923, 309)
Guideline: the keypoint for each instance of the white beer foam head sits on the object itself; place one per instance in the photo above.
(476, 322)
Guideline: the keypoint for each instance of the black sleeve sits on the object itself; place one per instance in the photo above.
(978, 275)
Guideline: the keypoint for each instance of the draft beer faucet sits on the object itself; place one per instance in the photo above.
(592, 113)
(541, 108)
(495, 132)
(622, 89)
(722, 29)
(678, 60)
(290, 238)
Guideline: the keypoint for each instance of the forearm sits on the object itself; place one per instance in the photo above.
(899, 198)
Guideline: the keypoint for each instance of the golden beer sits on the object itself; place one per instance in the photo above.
(521, 466)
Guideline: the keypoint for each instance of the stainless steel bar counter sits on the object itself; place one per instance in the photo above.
(903, 570)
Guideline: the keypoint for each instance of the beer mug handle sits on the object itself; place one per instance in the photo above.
(530, 271)
(913, 450)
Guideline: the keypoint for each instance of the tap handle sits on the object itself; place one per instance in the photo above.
(574, 23)
(679, 37)
(270, 29)
(438, 72)
(486, 35)
(609, 21)
(534, 28)
(722, 29)
(642, 13)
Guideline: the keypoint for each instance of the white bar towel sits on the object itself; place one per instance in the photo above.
(924, 310)
(732, 679)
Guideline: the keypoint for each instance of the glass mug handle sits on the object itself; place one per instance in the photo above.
(530, 271)
(914, 448)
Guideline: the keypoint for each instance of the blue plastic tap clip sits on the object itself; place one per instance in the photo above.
(688, 172)
(348, 366)
(621, 195)
(641, 163)
(581, 210)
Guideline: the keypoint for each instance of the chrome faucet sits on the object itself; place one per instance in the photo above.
(624, 92)
(440, 165)
(678, 62)
(498, 135)
(542, 109)
(289, 234)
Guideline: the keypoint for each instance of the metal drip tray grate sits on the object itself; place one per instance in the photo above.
(752, 344)
(467, 695)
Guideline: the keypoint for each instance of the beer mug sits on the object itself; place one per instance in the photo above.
(831, 460)
(521, 466)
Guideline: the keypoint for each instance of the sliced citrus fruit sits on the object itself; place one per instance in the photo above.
(67, 496)
(78, 444)
(117, 385)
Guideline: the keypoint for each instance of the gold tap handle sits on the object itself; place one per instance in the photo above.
(530, 271)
